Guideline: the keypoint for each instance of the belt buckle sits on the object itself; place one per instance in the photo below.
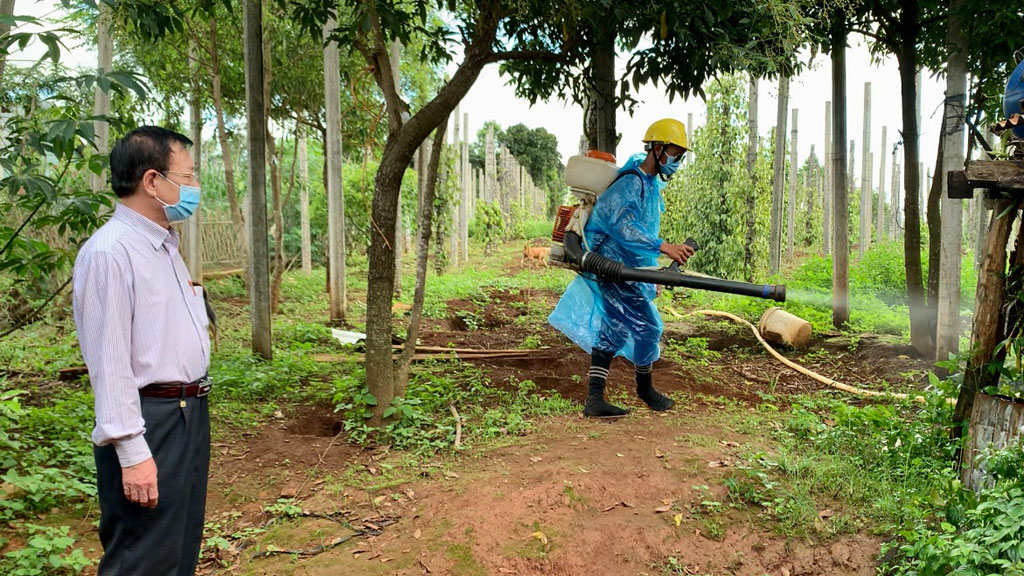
(205, 385)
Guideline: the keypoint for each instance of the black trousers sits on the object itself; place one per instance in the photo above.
(161, 541)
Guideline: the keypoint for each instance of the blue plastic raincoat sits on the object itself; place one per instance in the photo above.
(619, 317)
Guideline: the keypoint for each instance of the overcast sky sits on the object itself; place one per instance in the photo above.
(491, 99)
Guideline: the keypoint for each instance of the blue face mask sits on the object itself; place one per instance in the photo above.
(188, 201)
(670, 166)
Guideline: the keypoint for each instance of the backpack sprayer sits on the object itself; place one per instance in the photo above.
(588, 177)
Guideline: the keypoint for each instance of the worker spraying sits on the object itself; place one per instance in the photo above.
(609, 318)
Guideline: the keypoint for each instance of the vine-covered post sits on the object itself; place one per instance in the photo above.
(791, 212)
(880, 216)
(826, 231)
(864, 241)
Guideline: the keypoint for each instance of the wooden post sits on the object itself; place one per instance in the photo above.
(864, 239)
(947, 333)
(841, 253)
(827, 195)
(307, 249)
(101, 105)
(791, 210)
(880, 217)
(194, 225)
(779, 175)
(259, 251)
(335, 196)
(988, 306)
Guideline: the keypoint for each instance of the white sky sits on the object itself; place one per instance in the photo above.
(491, 99)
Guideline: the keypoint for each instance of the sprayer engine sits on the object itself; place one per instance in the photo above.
(588, 177)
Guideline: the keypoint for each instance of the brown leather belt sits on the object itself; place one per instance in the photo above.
(196, 389)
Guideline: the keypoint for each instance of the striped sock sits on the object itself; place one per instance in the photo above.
(645, 390)
(596, 405)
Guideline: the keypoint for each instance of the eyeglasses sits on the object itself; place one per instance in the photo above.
(192, 175)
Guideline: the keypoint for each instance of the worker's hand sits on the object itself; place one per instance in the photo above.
(140, 483)
(678, 252)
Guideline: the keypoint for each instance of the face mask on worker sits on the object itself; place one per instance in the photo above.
(669, 166)
(188, 201)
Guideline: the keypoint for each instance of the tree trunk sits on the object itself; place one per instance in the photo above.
(791, 212)
(826, 231)
(779, 175)
(395, 58)
(225, 144)
(752, 140)
(101, 105)
(259, 281)
(333, 169)
(934, 222)
(864, 238)
(6, 9)
(603, 67)
(425, 218)
(840, 205)
(307, 245)
(402, 141)
(947, 332)
(920, 333)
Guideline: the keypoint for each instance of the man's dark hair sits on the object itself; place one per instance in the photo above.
(142, 149)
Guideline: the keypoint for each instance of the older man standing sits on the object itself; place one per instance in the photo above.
(142, 329)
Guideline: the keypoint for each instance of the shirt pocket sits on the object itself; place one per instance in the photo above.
(199, 307)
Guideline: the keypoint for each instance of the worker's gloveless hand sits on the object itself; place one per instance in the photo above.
(678, 252)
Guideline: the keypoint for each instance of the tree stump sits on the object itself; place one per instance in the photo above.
(996, 422)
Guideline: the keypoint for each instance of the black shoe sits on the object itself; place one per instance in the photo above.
(596, 407)
(654, 399)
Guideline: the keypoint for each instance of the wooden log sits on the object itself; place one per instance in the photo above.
(988, 306)
(1001, 174)
(996, 422)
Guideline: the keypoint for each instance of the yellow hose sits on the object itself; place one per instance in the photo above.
(823, 379)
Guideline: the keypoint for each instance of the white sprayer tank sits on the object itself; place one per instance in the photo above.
(590, 175)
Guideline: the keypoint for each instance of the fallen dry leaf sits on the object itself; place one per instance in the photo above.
(718, 464)
(826, 514)
(423, 566)
(620, 455)
(538, 535)
(658, 453)
(417, 534)
(535, 459)
(662, 509)
(785, 571)
(621, 503)
(378, 500)
(678, 519)
(449, 474)
(730, 444)
(410, 494)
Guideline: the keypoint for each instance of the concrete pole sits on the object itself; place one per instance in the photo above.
(335, 196)
(194, 225)
(947, 333)
(490, 181)
(791, 211)
(101, 105)
(259, 250)
(896, 201)
(456, 226)
(465, 206)
(880, 217)
(827, 195)
(778, 177)
(307, 246)
(865, 177)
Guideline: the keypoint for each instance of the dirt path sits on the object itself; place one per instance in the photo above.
(574, 497)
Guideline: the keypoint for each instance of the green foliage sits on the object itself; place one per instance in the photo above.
(488, 225)
(48, 552)
(446, 202)
(981, 534)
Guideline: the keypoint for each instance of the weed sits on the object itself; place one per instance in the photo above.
(47, 551)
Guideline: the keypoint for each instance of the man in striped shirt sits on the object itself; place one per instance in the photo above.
(142, 329)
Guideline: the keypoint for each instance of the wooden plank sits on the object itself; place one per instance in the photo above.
(1002, 174)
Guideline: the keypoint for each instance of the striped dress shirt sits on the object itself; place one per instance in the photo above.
(140, 321)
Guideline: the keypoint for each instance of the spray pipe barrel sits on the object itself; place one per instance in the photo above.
(614, 271)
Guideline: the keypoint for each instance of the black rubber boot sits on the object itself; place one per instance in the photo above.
(596, 406)
(645, 390)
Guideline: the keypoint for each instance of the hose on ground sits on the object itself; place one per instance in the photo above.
(818, 377)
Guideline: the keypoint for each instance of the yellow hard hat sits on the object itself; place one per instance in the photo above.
(669, 131)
